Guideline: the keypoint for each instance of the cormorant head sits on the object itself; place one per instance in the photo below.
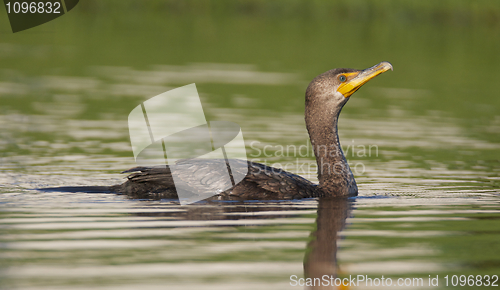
(332, 89)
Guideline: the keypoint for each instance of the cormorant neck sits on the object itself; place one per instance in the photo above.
(334, 173)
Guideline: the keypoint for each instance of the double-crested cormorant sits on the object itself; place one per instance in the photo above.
(326, 95)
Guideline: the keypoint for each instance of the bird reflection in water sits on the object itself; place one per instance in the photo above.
(320, 256)
(321, 253)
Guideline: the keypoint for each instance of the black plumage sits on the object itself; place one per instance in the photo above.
(261, 182)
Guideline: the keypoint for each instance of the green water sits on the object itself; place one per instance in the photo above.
(423, 142)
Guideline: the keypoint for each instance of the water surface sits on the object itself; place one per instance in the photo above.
(423, 142)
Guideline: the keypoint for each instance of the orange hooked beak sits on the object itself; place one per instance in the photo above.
(355, 80)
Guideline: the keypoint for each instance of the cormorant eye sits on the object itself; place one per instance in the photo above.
(342, 78)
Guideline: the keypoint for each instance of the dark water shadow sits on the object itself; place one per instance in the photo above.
(321, 253)
(320, 257)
